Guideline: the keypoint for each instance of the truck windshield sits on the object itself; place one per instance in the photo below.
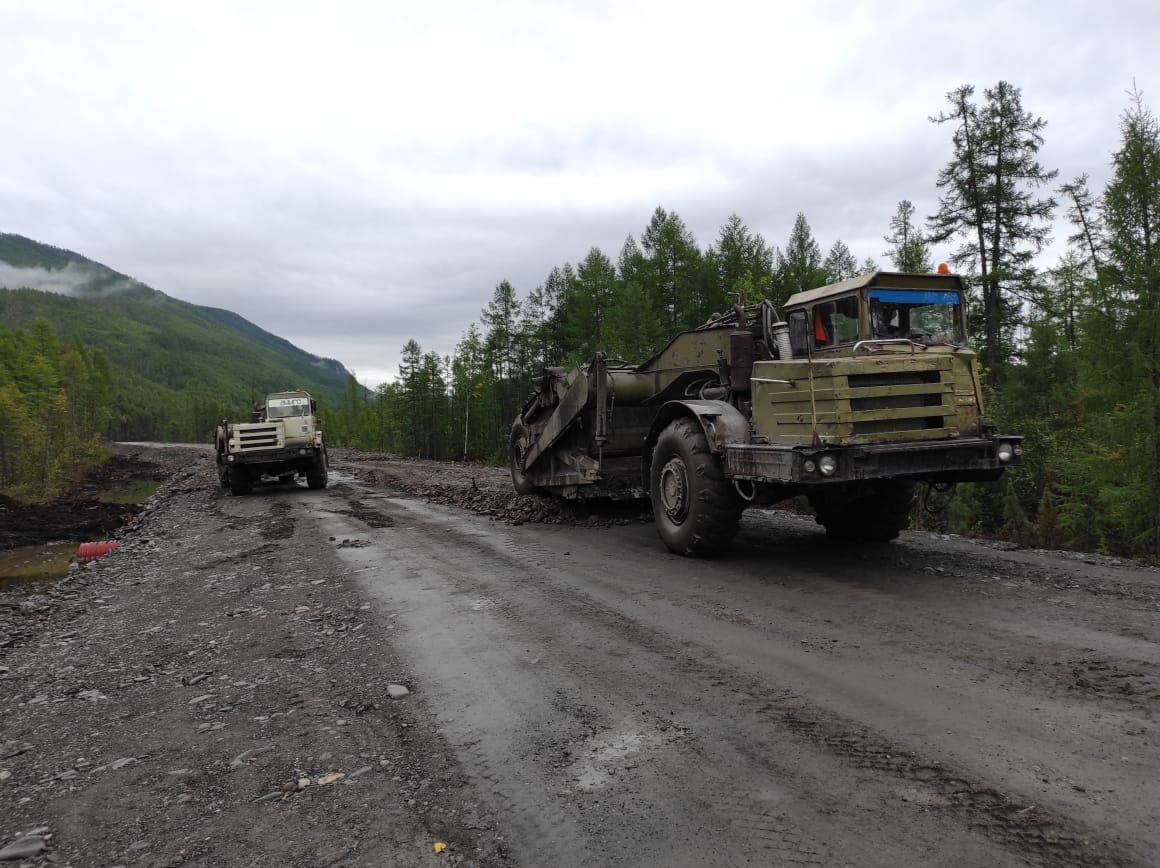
(925, 316)
(286, 407)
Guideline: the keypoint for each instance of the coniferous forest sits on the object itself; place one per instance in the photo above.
(56, 399)
(1070, 353)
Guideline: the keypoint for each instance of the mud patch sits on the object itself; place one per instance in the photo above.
(368, 515)
(81, 514)
(1109, 681)
(279, 525)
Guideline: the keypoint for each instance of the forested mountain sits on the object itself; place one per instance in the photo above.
(178, 368)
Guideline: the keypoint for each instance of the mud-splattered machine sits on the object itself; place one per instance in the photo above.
(860, 391)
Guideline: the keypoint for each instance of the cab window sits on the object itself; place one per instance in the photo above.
(799, 333)
(923, 316)
(835, 322)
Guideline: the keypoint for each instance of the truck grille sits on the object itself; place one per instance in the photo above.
(258, 437)
(880, 399)
(912, 408)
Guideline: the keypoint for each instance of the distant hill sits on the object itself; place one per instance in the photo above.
(180, 367)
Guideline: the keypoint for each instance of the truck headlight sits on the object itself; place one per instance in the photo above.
(809, 467)
(1005, 452)
(301, 451)
(828, 465)
(229, 458)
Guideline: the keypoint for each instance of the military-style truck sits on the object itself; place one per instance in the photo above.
(283, 441)
(862, 390)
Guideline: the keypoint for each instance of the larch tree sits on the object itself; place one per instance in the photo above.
(840, 262)
(589, 300)
(410, 373)
(671, 270)
(741, 262)
(502, 340)
(474, 395)
(988, 200)
(1083, 210)
(1131, 217)
(800, 266)
(909, 250)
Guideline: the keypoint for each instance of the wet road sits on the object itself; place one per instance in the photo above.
(935, 701)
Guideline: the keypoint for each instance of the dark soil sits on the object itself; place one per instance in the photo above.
(79, 515)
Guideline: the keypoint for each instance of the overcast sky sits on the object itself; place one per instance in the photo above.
(349, 175)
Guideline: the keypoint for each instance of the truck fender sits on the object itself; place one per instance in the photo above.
(722, 423)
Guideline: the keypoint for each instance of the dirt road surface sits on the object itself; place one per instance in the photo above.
(416, 657)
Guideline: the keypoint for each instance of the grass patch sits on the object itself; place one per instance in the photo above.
(137, 491)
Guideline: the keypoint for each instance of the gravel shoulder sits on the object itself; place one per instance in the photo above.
(216, 693)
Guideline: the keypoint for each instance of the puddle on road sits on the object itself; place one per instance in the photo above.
(35, 563)
(608, 755)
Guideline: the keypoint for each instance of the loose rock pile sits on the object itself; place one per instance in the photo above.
(485, 490)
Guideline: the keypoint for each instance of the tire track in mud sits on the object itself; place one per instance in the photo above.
(539, 828)
(776, 838)
(1035, 833)
(1130, 682)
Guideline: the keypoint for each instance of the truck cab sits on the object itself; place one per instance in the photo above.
(283, 441)
(892, 311)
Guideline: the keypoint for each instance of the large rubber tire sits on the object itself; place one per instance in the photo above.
(316, 474)
(224, 475)
(875, 518)
(696, 508)
(241, 482)
(516, 449)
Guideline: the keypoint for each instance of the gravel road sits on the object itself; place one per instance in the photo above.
(417, 657)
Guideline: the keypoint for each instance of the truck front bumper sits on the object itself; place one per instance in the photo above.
(270, 456)
(967, 459)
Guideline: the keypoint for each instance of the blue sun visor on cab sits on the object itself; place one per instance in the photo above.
(914, 296)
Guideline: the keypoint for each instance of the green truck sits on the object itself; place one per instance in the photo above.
(851, 395)
(282, 441)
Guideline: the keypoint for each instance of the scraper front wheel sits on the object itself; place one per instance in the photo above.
(696, 509)
(517, 449)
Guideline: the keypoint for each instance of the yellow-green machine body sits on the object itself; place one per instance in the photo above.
(850, 395)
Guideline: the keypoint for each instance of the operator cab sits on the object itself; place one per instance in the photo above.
(286, 405)
(879, 310)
